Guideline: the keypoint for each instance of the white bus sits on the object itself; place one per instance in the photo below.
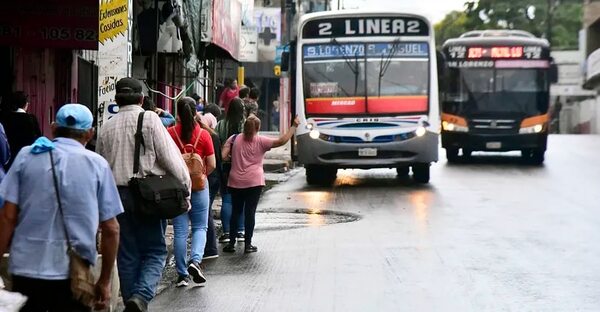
(366, 92)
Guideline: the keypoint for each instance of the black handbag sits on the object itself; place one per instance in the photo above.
(156, 196)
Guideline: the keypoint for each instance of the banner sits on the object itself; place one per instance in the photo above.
(268, 24)
(114, 52)
(227, 15)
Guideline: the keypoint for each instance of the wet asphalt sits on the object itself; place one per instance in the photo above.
(493, 234)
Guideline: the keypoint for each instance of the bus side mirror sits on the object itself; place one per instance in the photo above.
(441, 63)
(285, 61)
(553, 73)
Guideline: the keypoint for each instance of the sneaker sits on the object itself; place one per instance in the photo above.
(250, 248)
(229, 248)
(224, 239)
(240, 237)
(182, 281)
(207, 257)
(196, 273)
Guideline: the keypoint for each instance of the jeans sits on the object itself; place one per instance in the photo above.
(211, 249)
(226, 211)
(198, 216)
(142, 251)
(46, 295)
(245, 199)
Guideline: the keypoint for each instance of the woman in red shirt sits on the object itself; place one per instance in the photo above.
(231, 91)
(188, 131)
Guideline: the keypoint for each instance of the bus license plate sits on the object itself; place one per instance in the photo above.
(367, 152)
(493, 145)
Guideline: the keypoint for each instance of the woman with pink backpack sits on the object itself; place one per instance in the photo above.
(196, 147)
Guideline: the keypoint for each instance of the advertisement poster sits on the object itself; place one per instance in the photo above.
(227, 16)
(114, 53)
(248, 44)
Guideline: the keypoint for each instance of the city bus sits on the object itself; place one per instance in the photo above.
(496, 94)
(366, 93)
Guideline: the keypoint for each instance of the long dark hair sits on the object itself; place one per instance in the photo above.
(235, 116)
(186, 107)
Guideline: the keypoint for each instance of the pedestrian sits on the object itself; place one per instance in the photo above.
(215, 182)
(213, 110)
(232, 124)
(22, 128)
(251, 103)
(4, 154)
(231, 91)
(142, 250)
(247, 179)
(244, 92)
(39, 227)
(199, 102)
(165, 117)
(188, 135)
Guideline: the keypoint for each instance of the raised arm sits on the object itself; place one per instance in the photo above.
(288, 135)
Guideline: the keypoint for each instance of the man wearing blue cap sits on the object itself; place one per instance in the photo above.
(31, 216)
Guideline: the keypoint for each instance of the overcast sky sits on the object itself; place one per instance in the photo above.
(435, 9)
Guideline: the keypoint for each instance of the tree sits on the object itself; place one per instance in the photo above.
(532, 15)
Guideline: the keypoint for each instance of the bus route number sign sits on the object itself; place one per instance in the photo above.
(365, 26)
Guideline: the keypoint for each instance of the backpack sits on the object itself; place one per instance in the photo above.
(194, 162)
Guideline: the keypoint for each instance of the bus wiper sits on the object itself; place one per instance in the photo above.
(385, 64)
(353, 67)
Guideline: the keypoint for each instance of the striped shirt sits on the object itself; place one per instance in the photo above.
(159, 155)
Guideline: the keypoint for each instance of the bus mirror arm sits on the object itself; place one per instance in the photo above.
(285, 61)
(553, 73)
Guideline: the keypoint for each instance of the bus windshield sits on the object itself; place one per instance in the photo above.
(366, 78)
(475, 91)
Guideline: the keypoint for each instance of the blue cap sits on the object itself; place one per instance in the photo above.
(74, 116)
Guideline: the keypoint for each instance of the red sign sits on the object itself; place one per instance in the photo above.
(495, 52)
(70, 24)
(376, 105)
(227, 23)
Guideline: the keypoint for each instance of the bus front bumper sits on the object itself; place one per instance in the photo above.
(346, 155)
(491, 142)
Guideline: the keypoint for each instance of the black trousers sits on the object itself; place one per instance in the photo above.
(245, 199)
(47, 295)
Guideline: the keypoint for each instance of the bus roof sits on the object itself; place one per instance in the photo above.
(362, 13)
(497, 36)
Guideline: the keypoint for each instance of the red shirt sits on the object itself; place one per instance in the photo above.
(227, 95)
(204, 147)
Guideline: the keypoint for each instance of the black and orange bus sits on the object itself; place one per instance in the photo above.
(495, 93)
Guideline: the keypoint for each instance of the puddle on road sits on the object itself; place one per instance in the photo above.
(285, 219)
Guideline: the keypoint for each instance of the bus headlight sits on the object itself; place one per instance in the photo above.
(420, 131)
(450, 127)
(533, 129)
(309, 126)
(314, 134)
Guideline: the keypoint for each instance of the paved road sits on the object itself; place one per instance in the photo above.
(494, 235)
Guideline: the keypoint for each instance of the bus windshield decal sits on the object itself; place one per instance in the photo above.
(334, 51)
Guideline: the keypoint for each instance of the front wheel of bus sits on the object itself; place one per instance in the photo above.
(534, 157)
(403, 171)
(320, 175)
(421, 173)
(452, 155)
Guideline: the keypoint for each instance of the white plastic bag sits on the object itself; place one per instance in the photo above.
(10, 301)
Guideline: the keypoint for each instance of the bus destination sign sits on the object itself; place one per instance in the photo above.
(495, 52)
(365, 26)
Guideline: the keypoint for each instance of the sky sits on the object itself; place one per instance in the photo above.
(435, 9)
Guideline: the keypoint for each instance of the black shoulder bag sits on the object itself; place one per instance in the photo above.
(156, 196)
(80, 270)
(227, 164)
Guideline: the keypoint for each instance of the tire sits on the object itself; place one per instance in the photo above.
(320, 175)
(466, 153)
(403, 171)
(421, 173)
(534, 157)
(452, 155)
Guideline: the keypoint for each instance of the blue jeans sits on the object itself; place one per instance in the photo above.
(198, 216)
(227, 210)
(142, 251)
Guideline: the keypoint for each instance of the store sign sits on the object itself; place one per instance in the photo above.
(365, 26)
(248, 44)
(206, 21)
(268, 25)
(114, 53)
(69, 24)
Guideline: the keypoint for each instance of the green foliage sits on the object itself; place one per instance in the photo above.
(565, 20)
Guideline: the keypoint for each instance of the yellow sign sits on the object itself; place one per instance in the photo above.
(112, 19)
(277, 70)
